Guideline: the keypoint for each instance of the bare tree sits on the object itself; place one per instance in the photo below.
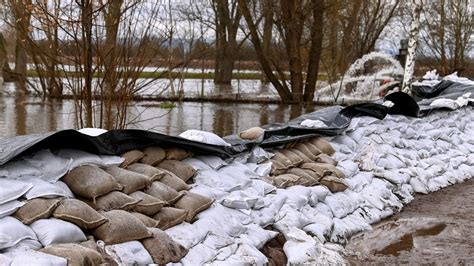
(22, 16)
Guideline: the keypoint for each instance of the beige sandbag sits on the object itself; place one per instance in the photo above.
(294, 158)
(323, 145)
(316, 168)
(115, 200)
(90, 182)
(76, 254)
(334, 184)
(323, 158)
(153, 155)
(177, 154)
(148, 205)
(277, 168)
(131, 157)
(303, 174)
(131, 181)
(79, 213)
(162, 248)
(288, 180)
(252, 133)
(151, 172)
(302, 148)
(163, 192)
(330, 169)
(121, 227)
(147, 221)
(193, 203)
(179, 168)
(169, 217)
(173, 181)
(36, 209)
(282, 159)
(301, 155)
(312, 148)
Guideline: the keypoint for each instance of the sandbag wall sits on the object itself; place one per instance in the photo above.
(98, 212)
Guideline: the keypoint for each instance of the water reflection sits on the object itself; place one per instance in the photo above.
(27, 115)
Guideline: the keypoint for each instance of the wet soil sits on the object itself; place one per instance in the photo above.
(434, 229)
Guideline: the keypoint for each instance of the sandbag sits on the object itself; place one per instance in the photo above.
(301, 155)
(303, 149)
(334, 184)
(147, 221)
(130, 181)
(90, 182)
(252, 133)
(177, 154)
(44, 189)
(294, 158)
(277, 167)
(148, 204)
(131, 157)
(173, 181)
(288, 180)
(330, 169)
(313, 148)
(180, 169)
(163, 192)
(282, 159)
(128, 253)
(32, 257)
(12, 231)
(36, 209)
(323, 145)
(153, 155)
(162, 248)
(12, 189)
(9, 208)
(305, 175)
(79, 213)
(316, 168)
(115, 200)
(76, 255)
(193, 203)
(55, 231)
(323, 158)
(151, 172)
(169, 217)
(24, 245)
(121, 227)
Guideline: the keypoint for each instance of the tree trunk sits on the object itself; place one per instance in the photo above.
(86, 20)
(267, 30)
(22, 23)
(315, 50)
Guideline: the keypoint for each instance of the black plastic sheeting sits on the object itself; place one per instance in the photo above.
(114, 142)
(336, 118)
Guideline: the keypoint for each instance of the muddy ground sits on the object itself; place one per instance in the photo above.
(433, 229)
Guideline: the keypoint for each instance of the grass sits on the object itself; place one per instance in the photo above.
(167, 105)
(163, 75)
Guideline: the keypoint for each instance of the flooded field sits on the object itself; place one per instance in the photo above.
(434, 229)
(27, 115)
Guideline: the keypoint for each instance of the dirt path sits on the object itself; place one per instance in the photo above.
(433, 229)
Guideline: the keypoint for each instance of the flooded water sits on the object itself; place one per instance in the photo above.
(434, 229)
(27, 115)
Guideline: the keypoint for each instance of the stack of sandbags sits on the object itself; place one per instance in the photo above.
(307, 164)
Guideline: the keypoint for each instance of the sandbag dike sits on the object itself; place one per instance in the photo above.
(303, 199)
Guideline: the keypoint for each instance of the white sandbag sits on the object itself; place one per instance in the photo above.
(393, 176)
(297, 196)
(223, 220)
(55, 231)
(79, 158)
(358, 134)
(24, 245)
(344, 228)
(300, 248)
(223, 180)
(187, 235)
(12, 189)
(321, 226)
(349, 168)
(18, 168)
(290, 218)
(128, 253)
(45, 189)
(342, 204)
(445, 103)
(12, 231)
(270, 213)
(94, 132)
(52, 167)
(197, 164)
(110, 160)
(204, 137)
(8, 208)
(347, 141)
(263, 169)
(36, 258)
(323, 208)
(217, 242)
(257, 236)
(244, 255)
(214, 162)
(313, 123)
(258, 155)
(210, 192)
(357, 182)
(198, 255)
(318, 194)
